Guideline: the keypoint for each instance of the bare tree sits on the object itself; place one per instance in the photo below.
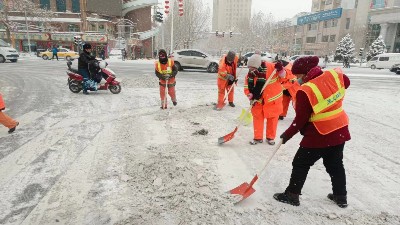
(30, 9)
(190, 27)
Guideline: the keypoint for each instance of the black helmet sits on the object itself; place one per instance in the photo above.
(87, 46)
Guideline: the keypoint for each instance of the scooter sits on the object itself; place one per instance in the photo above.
(98, 70)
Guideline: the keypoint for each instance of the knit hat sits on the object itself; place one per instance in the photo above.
(231, 56)
(304, 64)
(254, 61)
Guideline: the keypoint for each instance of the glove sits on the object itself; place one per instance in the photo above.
(166, 76)
(278, 67)
(230, 77)
(284, 138)
(250, 96)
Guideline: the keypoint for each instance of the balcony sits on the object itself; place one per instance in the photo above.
(137, 4)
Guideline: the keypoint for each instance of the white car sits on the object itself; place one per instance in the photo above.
(115, 54)
(384, 61)
(194, 59)
(265, 56)
(7, 53)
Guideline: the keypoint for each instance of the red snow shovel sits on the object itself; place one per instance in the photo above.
(231, 135)
(245, 189)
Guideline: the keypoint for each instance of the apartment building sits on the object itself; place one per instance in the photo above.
(329, 21)
(385, 21)
(229, 15)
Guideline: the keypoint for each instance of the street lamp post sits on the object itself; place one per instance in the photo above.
(172, 27)
(27, 33)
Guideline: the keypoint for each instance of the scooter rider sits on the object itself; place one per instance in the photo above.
(83, 66)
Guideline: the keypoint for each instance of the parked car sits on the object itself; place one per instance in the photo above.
(194, 59)
(320, 63)
(115, 53)
(384, 61)
(395, 68)
(265, 56)
(7, 53)
(40, 50)
(62, 53)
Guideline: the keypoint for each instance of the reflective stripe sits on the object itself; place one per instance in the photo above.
(321, 116)
(275, 97)
(325, 103)
(165, 71)
(222, 77)
(273, 80)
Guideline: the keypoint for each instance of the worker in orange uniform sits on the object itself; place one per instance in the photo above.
(290, 87)
(269, 105)
(226, 78)
(166, 72)
(5, 119)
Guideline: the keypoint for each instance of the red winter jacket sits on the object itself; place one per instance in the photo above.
(311, 137)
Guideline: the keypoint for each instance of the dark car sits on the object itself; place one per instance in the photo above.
(395, 68)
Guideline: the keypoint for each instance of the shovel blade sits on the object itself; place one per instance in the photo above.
(227, 137)
(245, 190)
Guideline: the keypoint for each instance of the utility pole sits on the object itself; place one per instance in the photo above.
(27, 32)
(172, 26)
(83, 15)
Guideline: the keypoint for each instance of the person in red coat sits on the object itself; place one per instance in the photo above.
(323, 123)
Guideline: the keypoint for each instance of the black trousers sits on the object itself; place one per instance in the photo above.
(333, 162)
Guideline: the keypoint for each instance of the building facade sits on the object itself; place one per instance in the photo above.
(103, 23)
(229, 15)
(330, 20)
(385, 19)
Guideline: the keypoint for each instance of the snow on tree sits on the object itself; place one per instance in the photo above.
(345, 48)
(33, 13)
(377, 47)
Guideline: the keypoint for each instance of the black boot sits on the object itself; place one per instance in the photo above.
(175, 103)
(288, 198)
(270, 141)
(281, 117)
(231, 104)
(340, 200)
(11, 130)
(256, 141)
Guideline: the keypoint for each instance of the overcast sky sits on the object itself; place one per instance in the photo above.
(281, 9)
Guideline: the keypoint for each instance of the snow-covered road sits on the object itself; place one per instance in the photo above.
(119, 159)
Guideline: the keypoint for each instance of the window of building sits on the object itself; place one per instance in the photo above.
(328, 2)
(309, 52)
(61, 6)
(312, 26)
(102, 27)
(347, 23)
(75, 6)
(73, 28)
(45, 4)
(311, 39)
(377, 4)
(326, 24)
(334, 22)
(332, 38)
(325, 38)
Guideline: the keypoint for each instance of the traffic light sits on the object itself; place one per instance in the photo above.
(223, 33)
(230, 34)
(216, 33)
(159, 17)
(361, 52)
(77, 40)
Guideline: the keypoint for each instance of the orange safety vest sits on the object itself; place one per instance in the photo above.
(165, 68)
(326, 94)
(273, 91)
(224, 69)
(2, 104)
